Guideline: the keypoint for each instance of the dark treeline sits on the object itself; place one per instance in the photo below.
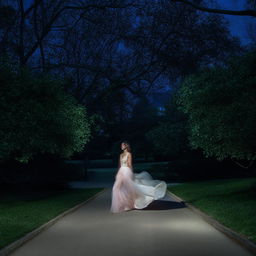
(110, 56)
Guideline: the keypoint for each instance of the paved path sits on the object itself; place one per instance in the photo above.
(165, 227)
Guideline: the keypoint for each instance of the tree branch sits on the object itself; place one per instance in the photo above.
(219, 11)
(34, 5)
(21, 35)
(244, 166)
(48, 26)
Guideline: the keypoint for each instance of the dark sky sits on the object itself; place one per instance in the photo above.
(238, 24)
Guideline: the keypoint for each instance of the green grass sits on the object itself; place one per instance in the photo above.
(231, 202)
(24, 211)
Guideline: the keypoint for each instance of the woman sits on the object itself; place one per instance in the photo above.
(133, 190)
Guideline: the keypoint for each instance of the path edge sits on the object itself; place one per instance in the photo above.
(16, 244)
(239, 238)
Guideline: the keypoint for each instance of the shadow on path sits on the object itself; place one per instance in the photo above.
(163, 205)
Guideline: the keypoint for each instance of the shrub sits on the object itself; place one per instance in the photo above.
(38, 116)
(221, 106)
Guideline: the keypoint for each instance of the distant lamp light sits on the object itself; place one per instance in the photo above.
(161, 110)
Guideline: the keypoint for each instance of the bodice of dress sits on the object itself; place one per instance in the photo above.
(124, 160)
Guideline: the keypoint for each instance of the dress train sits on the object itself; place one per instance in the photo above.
(134, 190)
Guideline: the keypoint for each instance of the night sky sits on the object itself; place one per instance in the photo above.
(238, 24)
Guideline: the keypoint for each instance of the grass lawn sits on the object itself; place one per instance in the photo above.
(24, 211)
(231, 201)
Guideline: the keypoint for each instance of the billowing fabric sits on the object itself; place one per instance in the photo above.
(134, 190)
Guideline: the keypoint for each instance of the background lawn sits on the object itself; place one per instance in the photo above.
(24, 211)
(230, 201)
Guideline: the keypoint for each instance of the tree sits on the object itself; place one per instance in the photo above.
(221, 106)
(41, 18)
(249, 12)
(169, 137)
(106, 55)
(37, 116)
(96, 45)
(144, 116)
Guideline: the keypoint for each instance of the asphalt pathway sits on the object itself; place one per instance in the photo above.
(165, 227)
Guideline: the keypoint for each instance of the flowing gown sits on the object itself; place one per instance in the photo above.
(134, 190)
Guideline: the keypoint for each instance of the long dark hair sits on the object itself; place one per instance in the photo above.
(127, 143)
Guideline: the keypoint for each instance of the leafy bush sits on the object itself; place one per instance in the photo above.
(194, 166)
(221, 106)
(169, 136)
(44, 170)
(158, 171)
(169, 139)
(76, 170)
(38, 117)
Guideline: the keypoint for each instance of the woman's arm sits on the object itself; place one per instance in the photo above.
(129, 161)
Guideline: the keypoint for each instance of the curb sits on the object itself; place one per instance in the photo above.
(14, 245)
(239, 238)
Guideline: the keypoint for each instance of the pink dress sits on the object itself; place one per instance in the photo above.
(134, 190)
